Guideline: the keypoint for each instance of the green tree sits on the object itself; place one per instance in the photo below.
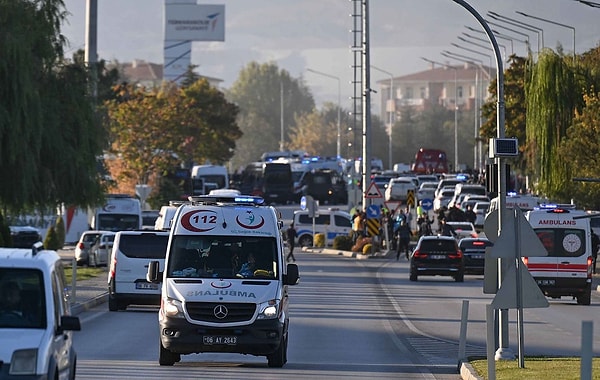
(581, 149)
(258, 93)
(552, 96)
(59, 226)
(51, 240)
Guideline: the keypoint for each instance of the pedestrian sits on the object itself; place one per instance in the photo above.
(595, 247)
(470, 214)
(447, 230)
(356, 226)
(290, 235)
(425, 226)
(403, 239)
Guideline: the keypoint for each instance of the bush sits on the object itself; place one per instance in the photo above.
(51, 241)
(343, 243)
(319, 240)
(60, 231)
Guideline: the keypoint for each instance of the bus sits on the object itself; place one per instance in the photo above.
(119, 212)
(430, 161)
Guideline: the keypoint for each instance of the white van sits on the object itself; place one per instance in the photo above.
(131, 252)
(567, 270)
(37, 330)
(330, 222)
(224, 286)
(165, 216)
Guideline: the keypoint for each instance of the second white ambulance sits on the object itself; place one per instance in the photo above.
(225, 283)
(567, 270)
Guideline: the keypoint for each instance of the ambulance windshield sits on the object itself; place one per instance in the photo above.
(206, 256)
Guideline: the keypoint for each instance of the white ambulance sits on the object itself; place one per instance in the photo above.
(225, 282)
(567, 270)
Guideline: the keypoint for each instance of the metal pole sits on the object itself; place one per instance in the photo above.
(339, 109)
(91, 43)
(281, 145)
(555, 23)
(366, 106)
(391, 112)
(520, 24)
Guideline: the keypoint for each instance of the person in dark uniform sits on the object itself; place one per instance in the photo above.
(290, 235)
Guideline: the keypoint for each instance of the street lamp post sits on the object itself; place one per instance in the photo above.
(555, 23)
(479, 45)
(520, 24)
(392, 104)
(338, 147)
(455, 108)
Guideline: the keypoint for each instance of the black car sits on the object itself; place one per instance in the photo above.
(325, 185)
(437, 256)
(24, 236)
(473, 250)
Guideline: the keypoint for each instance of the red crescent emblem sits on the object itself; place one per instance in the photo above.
(221, 284)
(259, 225)
(188, 224)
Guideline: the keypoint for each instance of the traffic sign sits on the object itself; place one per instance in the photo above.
(410, 197)
(373, 191)
(427, 204)
(373, 227)
(373, 211)
(303, 203)
(392, 205)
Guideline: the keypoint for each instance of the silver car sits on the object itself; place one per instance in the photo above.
(101, 249)
(83, 246)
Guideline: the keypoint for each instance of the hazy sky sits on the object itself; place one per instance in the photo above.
(301, 34)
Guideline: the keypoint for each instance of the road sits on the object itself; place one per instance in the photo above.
(349, 319)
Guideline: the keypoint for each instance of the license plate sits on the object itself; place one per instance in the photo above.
(478, 257)
(437, 257)
(146, 285)
(217, 339)
(545, 282)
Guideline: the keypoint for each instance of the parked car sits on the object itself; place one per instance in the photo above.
(100, 250)
(442, 199)
(83, 246)
(473, 250)
(24, 236)
(464, 229)
(427, 190)
(132, 251)
(437, 256)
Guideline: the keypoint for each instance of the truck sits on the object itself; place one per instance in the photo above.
(208, 177)
(119, 212)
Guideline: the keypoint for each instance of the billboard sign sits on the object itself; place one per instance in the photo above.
(194, 22)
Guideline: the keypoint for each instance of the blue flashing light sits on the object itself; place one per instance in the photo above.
(511, 193)
(461, 177)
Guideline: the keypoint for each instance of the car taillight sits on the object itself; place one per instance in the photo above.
(457, 255)
(473, 235)
(526, 261)
(113, 267)
(81, 246)
(417, 253)
(590, 262)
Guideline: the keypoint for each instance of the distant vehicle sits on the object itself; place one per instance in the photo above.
(464, 229)
(37, 333)
(24, 236)
(326, 186)
(473, 250)
(428, 161)
(288, 154)
(251, 179)
(149, 219)
(165, 216)
(278, 184)
(427, 190)
(480, 209)
(76, 221)
(101, 248)
(437, 256)
(208, 177)
(398, 188)
(120, 212)
(331, 222)
(83, 246)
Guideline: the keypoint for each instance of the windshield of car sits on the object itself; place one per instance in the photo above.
(209, 256)
(22, 303)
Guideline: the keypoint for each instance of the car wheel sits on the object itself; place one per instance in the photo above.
(585, 298)
(413, 275)
(278, 358)
(166, 357)
(305, 241)
(459, 277)
(112, 304)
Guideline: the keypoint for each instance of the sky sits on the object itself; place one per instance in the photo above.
(316, 34)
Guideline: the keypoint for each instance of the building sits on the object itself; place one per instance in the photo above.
(463, 86)
(149, 74)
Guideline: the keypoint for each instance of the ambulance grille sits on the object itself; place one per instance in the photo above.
(205, 311)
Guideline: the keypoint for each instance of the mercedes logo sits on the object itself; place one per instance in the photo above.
(220, 311)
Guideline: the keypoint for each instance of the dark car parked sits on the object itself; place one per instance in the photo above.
(24, 236)
(325, 185)
(437, 256)
(473, 250)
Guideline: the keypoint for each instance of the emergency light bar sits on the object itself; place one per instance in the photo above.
(238, 199)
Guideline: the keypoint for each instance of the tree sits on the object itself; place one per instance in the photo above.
(258, 93)
(152, 131)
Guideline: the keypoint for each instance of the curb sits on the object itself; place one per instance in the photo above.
(79, 308)
(467, 372)
(354, 255)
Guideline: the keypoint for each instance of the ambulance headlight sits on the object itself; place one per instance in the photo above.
(23, 362)
(173, 308)
(269, 310)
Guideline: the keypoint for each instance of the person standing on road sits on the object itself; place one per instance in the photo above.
(447, 230)
(403, 239)
(595, 247)
(290, 235)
